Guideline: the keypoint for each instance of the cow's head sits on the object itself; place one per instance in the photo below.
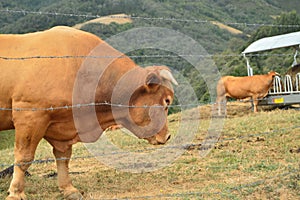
(148, 105)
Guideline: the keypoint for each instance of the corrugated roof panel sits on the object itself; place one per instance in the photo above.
(279, 41)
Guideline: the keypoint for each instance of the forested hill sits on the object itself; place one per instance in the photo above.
(235, 13)
(222, 27)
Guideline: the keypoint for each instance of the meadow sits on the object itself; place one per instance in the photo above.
(256, 157)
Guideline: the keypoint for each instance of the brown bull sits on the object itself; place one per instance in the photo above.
(43, 74)
(256, 87)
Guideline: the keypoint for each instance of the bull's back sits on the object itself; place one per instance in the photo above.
(23, 67)
(55, 41)
(46, 80)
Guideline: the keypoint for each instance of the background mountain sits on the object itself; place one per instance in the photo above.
(223, 27)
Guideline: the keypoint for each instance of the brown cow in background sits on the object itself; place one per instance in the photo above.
(256, 87)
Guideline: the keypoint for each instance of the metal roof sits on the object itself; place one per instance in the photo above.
(279, 41)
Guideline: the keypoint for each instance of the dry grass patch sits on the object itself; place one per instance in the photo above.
(118, 18)
(226, 27)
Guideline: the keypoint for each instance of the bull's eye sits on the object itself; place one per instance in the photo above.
(168, 101)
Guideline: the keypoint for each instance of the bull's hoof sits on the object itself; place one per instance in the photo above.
(19, 197)
(14, 198)
(73, 196)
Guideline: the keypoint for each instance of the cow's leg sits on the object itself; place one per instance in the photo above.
(64, 180)
(255, 103)
(221, 101)
(218, 102)
(29, 130)
(225, 107)
(219, 108)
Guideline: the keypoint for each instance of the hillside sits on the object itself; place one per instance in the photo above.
(212, 38)
(222, 27)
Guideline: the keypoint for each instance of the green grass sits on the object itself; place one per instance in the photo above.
(255, 158)
(7, 139)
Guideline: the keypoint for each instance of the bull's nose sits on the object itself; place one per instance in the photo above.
(165, 141)
(168, 137)
(159, 142)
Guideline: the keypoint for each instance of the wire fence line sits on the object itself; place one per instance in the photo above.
(92, 16)
(78, 106)
(117, 105)
(145, 56)
(190, 146)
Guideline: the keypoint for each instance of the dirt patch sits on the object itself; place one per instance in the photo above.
(226, 27)
(118, 18)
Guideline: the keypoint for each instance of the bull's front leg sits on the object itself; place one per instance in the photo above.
(16, 189)
(64, 180)
(29, 130)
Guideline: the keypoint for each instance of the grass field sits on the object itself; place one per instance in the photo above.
(256, 157)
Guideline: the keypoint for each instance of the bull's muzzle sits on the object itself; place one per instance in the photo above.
(157, 140)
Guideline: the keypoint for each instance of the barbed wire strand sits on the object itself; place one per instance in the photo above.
(92, 16)
(78, 106)
(93, 104)
(144, 56)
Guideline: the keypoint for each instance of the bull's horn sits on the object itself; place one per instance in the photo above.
(166, 74)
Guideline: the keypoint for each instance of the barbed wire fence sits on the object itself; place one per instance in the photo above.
(189, 146)
(182, 146)
(146, 56)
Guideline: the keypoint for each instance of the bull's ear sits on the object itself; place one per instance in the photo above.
(152, 82)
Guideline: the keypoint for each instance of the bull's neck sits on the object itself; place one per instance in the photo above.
(116, 85)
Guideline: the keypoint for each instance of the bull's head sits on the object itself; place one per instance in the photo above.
(148, 105)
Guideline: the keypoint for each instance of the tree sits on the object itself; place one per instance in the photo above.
(285, 23)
